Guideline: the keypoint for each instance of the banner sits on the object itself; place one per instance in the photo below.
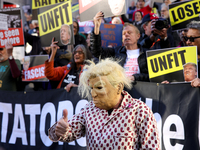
(11, 27)
(56, 21)
(42, 3)
(33, 68)
(167, 64)
(25, 117)
(111, 34)
(182, 13)
(88, 9)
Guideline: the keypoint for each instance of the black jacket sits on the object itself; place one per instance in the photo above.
(119, 53)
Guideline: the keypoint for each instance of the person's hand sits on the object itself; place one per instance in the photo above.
(195, 82)
(132, 78)
(97, 21)
(69, 86)
(9, 48)
(62, 125)
(54, 46)
(165, 82)
(162, 33)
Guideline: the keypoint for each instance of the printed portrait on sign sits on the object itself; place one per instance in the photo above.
(65, 34)
(26, 63)
(116, 6)
(190, 71)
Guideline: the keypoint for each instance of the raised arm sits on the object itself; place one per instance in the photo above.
(97, 22)
(15, 70)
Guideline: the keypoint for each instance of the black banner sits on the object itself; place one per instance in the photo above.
(25, 117)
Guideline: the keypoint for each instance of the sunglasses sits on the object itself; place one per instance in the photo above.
(190, 38)
(1, 49)
(79, 52)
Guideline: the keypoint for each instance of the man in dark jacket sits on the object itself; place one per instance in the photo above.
(131, 56)
(153, 37)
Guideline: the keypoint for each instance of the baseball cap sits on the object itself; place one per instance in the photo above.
(149, 17)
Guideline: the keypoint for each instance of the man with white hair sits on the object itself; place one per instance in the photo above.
(113, 119)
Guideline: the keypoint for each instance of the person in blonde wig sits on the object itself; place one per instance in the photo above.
(113, 119)
(108, 67)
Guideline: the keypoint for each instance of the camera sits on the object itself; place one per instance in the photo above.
(161, 23)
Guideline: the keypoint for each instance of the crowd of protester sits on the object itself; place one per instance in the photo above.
(140, 34)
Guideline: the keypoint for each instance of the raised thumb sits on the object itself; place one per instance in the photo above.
(65, 113)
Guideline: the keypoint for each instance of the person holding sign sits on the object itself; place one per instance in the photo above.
(68, 75)
(132, 56)
(9, 69)
(193, 39)
(113, 119)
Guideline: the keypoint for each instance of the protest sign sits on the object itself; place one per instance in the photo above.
(111, 34)
(88, 8)
(86, 26)
(33, 68)
(43, 3)
(56, 21)
(11, 28)
(182, 13)
(167, 64)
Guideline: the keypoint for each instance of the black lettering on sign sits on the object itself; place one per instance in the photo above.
(56, 16)
(43, 22)
(169, 60)
(174, 16)
(37, 3)
(182, 56)
(44, 2)
(176, 59)
(61, 15)
(156, 65)
(190, 12)
(196, 8)
(50, 20)
(162, 62)
(181, 13)
(67, 14)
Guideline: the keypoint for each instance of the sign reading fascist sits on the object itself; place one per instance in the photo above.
(167, 64)
(182, 13)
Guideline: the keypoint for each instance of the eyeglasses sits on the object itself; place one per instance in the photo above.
(79, 52)
(190, 38)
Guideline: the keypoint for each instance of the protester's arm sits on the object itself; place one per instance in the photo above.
(147, 128)
(69, 86)
(97, 22)
(55, 74)
(54, 48)
(67, 131)
(15, 70)
(125, 19)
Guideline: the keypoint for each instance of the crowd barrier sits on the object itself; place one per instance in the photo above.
(25, 117)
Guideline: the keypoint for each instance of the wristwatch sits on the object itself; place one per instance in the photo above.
(10, 57)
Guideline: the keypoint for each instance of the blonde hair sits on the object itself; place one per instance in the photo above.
(129, 24)
(114, 72)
